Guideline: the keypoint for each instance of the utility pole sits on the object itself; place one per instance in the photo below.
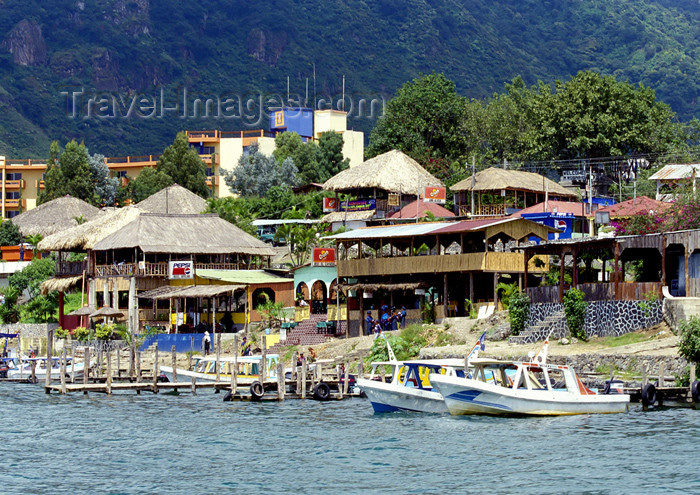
(473, 182)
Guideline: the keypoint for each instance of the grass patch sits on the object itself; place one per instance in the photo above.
(626, 339)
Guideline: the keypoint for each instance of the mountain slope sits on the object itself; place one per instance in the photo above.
(121, 50)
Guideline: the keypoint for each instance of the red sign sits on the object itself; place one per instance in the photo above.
(323, 257)
(330, 204)
(181, 269)
(434, 195)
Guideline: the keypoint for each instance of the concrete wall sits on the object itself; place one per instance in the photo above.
(677, 309)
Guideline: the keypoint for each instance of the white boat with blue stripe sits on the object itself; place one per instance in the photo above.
(523, 388)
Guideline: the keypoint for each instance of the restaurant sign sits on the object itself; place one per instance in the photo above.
(180, 269)
(330, 204)
(323, 257)
(359, 205)
(434, 195)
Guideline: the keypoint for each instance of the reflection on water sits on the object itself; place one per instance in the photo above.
(129, 444)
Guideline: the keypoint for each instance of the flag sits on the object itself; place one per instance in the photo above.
(479, 346)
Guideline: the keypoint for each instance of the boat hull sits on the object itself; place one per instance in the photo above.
(388, 397)
(464, 396)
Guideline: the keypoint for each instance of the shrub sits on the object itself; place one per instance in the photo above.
(689, 343)
(575, 311)
(62, 333)
(427, 311)
(519, 311)
(104, 331)
(505, 293)
(82, 334)
(647, 306)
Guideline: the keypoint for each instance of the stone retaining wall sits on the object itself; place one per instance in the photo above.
(604, 318)
(28, 330)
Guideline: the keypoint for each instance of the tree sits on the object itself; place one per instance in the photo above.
(330, 156)
(147, 183)
(184, 166)
(257, 173)
(689, 343)
(303, 154)
(425, 119)
(234, 210)
(69, 174)
(105, 187)
(31, 276)
(9, 234)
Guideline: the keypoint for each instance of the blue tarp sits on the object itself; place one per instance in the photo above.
(8, 335)
(181, 341)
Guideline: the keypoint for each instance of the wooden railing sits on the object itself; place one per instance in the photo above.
(156, 269)
(214, 179)
(603, 291)
(39, 184)
(26, 162)
(482, 211)
(66, 268)
(215, 135)
(15, 203)
(544, 294)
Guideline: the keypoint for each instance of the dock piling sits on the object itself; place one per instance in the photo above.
(280, 380)
(63, 371)
(345, 379)
(234, 368)
(49, 355)
(173, 352)
(303, 379)
(156, 368)
(218, 357)
(109, 373)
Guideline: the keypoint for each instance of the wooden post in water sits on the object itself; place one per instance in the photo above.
(49, 355)
(360, 366)
(263, 360)
(303, 379)
(155, 369)
(234, 367)
(218, 356)
(645, 378)
(132, 358)
(383, 374)
(109, 373)
(345, 379)
(138, 366)
(72, 362)
(63, 371)
(466, 366)
(173, 352)
(280, 380)
(294, 365)
(194, 386)
(86, 367)
(318, 374)
(119, 363)
(189, 354)
(612, 371)
(339, 373)
(692, 380)
(661, 374)
(33, 372)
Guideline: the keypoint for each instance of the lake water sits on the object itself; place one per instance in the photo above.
(129, 444)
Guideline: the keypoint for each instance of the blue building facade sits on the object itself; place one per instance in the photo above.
(299, 120)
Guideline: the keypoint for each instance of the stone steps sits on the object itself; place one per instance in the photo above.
(540, 330)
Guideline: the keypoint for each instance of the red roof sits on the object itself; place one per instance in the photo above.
(409, 211)
(631, 207)
(466, 225)
(576, 209)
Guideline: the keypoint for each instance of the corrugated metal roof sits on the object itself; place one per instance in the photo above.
(403, 230)
(243, 276)
(677, 172)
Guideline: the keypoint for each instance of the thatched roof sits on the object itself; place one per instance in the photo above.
(84, 311)
(85, 236)
(106, 311)
(171, 291)
(183, 234)
(59, 284)
(54, 216)
(377, 286)
(392, 171)
(174, 199)
(497, 179)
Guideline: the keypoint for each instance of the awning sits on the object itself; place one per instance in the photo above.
(376, 286)
(59, 284)
(342, 216)
(169, 291)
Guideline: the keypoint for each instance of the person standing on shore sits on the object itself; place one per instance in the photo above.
(207, 342)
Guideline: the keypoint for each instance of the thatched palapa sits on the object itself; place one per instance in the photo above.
(85, 236)
(59, 284)
(183, 234)
(54, 216)
(498, 179)
(175, 200)
(392, 171)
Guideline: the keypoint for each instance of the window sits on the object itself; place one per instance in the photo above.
(209, 172)
(11, 214)
(14, 176)
(11, 194)
(121, 173)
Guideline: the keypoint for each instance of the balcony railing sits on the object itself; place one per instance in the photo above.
(26, 162)
(156, 269)
(14, 184)
(216, 135)
(482, 211)
(214, 179)
(148, 160)
(15, 203)
(70, 268)
(39, 184)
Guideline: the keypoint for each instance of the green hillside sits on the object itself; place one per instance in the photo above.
(122, 50)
